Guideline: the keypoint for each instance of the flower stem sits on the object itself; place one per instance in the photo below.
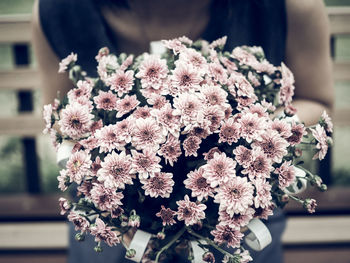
(172, 241)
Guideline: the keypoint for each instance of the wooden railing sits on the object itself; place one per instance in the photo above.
(31, 229)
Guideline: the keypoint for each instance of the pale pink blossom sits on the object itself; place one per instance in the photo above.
(229, 131)
(109, 139)
(320, 135)
(273, 145)
(187, 106)
(106, 64)
(159, 184)
(152, 71)
(124, 129)
(260, 166)
(175, 45)
(63, 180)
(75, 120)
(251, 126)
(244, 256)
(145, 163)
(115, 170)
(64, 205)
(327, 122)
(220, 42)
(229, 65)
(167, 215)
(257, 109)
(195, 58)
(146, 133)
(243, 56)
(190, 212)
(167, 119)
(235, 196)
(214, 115)
(253, 79)
(198, 185)
(105, 198)
(170, 150)
(310, 205)
(243, 155)
(47, 115)
(95, 126)
(102, 232)
(78, 166)
(101, 53)
(63, 65)
(286, 174)
(227, 235)
(84, 189)
(106, 100)
(237, 220)
(214, 95)
(210, 154)
(127, 104)
(121, 82)
(185, 78)
(298, 131)
(219, 170)
(218, 73)
(82, 92)
(191, 144)
(287, 85)
(79, 221)
(89, 143)
(142, 112)
(263, 196)
(282, 127)
(96, 165)
(127, 62)
(157, 101)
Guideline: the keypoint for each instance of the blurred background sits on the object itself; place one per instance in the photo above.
(31, 229)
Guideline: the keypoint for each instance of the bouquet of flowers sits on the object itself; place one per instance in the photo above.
(189, 146)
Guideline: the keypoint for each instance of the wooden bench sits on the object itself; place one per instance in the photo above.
(31, 229)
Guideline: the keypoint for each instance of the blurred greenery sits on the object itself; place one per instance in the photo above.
(11, 167)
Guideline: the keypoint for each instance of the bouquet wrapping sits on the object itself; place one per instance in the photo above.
(191, 148)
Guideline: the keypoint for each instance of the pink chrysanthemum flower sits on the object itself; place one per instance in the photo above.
(167, 215)
(253, 79)
(218, 73)
(282, 127)
(105, 198)
(298, 131)
(235, 196)
(167, 119)
(80, 222)
(198, 185)
(260, 165)
(63, 180)
(175, 45)
(286, 174)
(145, 163)
(106, 100)
(251, 126)
(199, 129)
(244, 256)
(121, 82)
(227, 235)
(78, 166)
(214, 95)
(75, 121)
(82, 92)
(47, 115)
(71, 58)
(84, 189)
(257, 109)
(210, 154)
(147, 134)
(96, 165)
(243, 155)
(95, 126)
(185, 78)
(237, 220)
(109, 139)
(152, 71)
(159, 184)
(102, 232)
(214, 115)
(142, 112)
(170, 150)
(327, 122)
(127, 104)
(187, 106)
(310, 205)
(191, 145)
(190, 212)
(220, 169)
(116, 170)
(273, 145)
(89, 143)
(230, 131)
(194, 58)
(64, 205)
(220, 42)
(320, 135)
(157, 101)
(124, 129)
(243, 56)
(263, 193)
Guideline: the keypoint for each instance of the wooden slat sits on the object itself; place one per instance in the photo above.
(34, 258)
(323, 255)
(15, 28)
(322, 229)
(43, 235)
(341, 70)
(19, 79)
(339, 18)
(21, 125)
(30, 206)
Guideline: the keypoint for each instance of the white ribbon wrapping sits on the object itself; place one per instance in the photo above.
(157, 47)
(197, 252)
(294, 187)
(64, 151)
(259, 237)
(139, 242)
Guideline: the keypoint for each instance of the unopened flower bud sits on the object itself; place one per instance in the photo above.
(80, 237)
(285, 198)
(161, 235)
(310, 205)
(130, 253)
(323, 187)
(134, 221)
(98, 249)
(298, 152)
(208, 257)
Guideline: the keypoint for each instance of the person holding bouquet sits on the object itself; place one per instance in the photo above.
(294, 32)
